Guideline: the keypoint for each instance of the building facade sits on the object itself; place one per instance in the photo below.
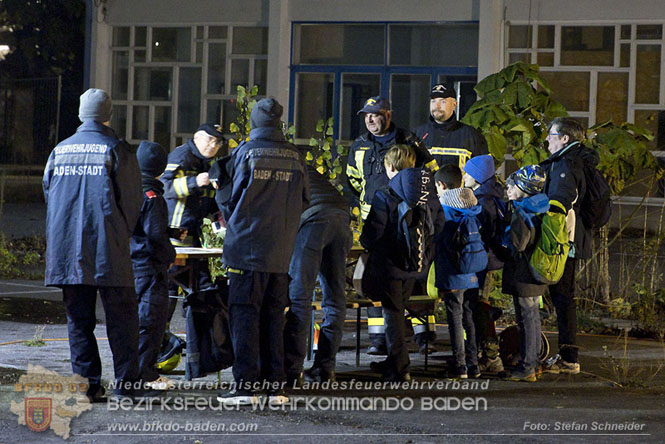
(170, 65)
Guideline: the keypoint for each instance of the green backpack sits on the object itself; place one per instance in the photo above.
(549, 255)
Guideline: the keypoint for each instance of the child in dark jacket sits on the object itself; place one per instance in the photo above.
(453, 284)
(152, 254)
(385, 278)
(524, 189)
(479, 176)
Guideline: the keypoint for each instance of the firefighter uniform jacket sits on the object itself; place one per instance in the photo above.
(151, 249)
(365, 169)
(187, 203)
(269, 190)
(451, 141)
(92, 188)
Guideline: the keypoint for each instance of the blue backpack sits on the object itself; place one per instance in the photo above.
(467, 248)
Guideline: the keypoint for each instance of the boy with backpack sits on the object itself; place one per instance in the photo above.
(479, 176)
(529, 204)
(152, 254)
(399, 235)
(460, 254)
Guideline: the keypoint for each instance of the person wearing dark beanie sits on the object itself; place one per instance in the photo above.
(152, 254)
(266, 113)
(95, 104)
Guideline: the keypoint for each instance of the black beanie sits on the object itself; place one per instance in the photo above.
(266, 113)
(152, 158)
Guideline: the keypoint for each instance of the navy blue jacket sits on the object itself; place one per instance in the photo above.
(451, 141)
(150, 246)
(324, 198)
(92, 188)
(365, 170)
(447, 276)
(188, 203)
(566, 183)
(269, 190)
(379, 234)
(486, 193)
(517, 278)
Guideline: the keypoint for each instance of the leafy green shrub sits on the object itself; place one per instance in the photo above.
(20, 257)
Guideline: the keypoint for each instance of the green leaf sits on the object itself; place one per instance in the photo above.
(331, 121)
(313, 142)
(341, 150)
(329, 131)
(489, 83)
(233, 127)
(319, 126)
(309, 157)
(496, 143)
(292, 130)
(254, 91)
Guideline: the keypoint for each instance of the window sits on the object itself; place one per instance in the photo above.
(587, 45)
(429, 45)
(167, 80)
(331, 44)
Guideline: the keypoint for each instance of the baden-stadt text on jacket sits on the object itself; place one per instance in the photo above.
(380, 233)
(269, 190)
(92, 188)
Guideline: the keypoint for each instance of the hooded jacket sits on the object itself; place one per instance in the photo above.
(486, 194)
(457, 203)
(520, 239)
(365, 170)
(269, 189)
(150, 246)
(92, 189)
(187, 203)
(566, 184)
(451, 141)
(379, 234)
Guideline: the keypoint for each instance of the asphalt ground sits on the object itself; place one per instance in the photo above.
(618, 397)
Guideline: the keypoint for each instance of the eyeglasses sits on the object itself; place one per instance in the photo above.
(555, 134)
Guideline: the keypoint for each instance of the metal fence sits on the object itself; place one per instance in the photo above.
(29, 119)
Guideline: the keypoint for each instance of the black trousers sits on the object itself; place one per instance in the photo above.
(563, 298)
(152, 293)
(122, 328)
(256, 314)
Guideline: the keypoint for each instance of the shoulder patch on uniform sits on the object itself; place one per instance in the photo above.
(150, 194)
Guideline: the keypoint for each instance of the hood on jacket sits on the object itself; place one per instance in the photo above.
(458, 198)
(412, 185)
(455, 214)
(538, 203)
(490, 188)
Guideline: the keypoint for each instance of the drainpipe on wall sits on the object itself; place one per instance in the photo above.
(89, 7)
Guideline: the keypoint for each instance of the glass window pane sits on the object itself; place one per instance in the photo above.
(261, 75)
(314, 101)
(546, 58)
(519, 36)
(624, 60)
(171, 44)
(140, 122)
(216, 68)
(612, 97)
(214, 113)
(339, 44)
(229, 113)
(419, 45)
(410, 99)
(119, 120)
(199, 32)
(217, 32)
(546, 36)
(163, 126)
(140, 33)
(587, 45)
(139, 56)
(120, 75)
(239, 73)
(356, 88)
(569, 88)
(519, 57)
(650, 32)
(152, 83)
(189, 100)
(121, 36)
(625, 32)
(248, 40)
(647, 78)
(199, 52)
(653, 120)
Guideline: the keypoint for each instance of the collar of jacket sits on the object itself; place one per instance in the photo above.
(91, 125)
(267, 133)
(391, 134)
(195, 151)
(564, 150)
(150, 183)
(447, 125)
